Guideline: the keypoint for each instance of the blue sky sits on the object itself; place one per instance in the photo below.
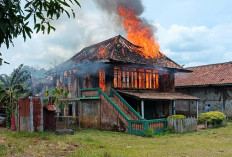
(191, 32)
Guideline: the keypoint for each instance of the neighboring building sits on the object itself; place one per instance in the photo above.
(146, 83)
(211, 83)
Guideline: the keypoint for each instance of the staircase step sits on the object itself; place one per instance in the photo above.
(122, 109)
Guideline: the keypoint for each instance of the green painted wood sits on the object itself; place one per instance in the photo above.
(91, 97)
(130, 130)
(114, 105)
(88, 89)
(112, 91)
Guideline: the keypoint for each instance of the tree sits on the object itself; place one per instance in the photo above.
(12, 87)
(59, 96)
(14, 17)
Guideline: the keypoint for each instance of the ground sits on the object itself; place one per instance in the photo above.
(209, 142)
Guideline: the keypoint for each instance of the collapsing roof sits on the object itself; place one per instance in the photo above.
(116, 49)
(214, 74)
(152, 95)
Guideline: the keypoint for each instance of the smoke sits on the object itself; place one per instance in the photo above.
(111, 8)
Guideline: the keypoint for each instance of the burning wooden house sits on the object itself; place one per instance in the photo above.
(114, 84)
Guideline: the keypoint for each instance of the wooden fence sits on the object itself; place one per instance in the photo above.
(181, 126)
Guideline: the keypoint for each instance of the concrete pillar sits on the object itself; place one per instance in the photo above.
(197, 108)
(142, 108)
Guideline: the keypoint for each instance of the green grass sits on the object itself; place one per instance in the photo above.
(210, 142)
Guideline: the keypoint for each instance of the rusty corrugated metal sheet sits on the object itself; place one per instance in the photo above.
(24, 116)
(24, 107)
(49, 119)
(37, 109)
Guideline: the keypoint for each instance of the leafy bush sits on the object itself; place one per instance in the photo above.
(176, 117)
(213, 117)
(169, 130)
(150, 132)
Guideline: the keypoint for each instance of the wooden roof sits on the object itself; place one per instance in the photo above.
(214, 74)
(116, 49)
(153, 95)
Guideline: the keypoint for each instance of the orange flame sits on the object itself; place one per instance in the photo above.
(102, 53)
(102, 80)
(139, 34)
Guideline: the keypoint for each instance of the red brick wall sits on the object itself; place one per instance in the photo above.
(108, 118)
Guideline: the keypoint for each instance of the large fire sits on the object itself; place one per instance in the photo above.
(138, 33)
(102, 53)
(102, 84)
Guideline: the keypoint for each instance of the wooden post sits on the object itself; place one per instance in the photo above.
(142, 108)
(174, 107)
(189, 108)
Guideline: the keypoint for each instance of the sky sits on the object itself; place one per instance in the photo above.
(190, 32)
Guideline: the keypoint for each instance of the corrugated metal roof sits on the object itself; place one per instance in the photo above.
(214, 74)
(116, 49)
(153, 95)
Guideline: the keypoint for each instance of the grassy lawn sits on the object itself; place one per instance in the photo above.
(210, 142)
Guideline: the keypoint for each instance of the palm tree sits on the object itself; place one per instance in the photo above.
(14, 86)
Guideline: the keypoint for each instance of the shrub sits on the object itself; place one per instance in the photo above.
(169, 130)
(213, 117)
(150, 132)
(176, 117)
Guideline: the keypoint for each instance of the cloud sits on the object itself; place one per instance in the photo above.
(197, 44)
(189, 45)
(90, 26)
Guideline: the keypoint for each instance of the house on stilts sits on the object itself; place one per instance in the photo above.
(114, 86)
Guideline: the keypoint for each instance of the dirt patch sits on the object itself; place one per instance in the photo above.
(201, 127)
(2, 140)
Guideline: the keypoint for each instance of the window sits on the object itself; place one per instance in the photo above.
(115, 78)
(102, 80)
(123, 79)
(130, 77)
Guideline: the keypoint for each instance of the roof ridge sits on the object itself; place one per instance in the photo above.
(230, 62)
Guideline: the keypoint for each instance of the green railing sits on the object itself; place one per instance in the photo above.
(114, 105)
(137, 127)
(112, 92)
(90, 89)
(100, 92)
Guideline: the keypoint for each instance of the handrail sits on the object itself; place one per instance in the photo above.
(141, 120)
(113, 104)
(88, 89)
(150, 121)
(112, 91)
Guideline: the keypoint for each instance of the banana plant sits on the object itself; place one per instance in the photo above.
(14, 86)
(59, 96)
